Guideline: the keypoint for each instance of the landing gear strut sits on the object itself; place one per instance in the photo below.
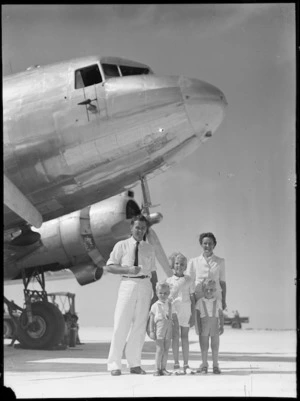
(41, 324)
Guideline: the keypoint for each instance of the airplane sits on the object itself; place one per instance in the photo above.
(78, 136)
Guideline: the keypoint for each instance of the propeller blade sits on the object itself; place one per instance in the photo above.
(146, 196)
(159, 252)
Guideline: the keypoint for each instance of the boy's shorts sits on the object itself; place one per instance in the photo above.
(183, 312)
(163, 329)
(209, 326)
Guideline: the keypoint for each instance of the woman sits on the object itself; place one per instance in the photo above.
(208, 265)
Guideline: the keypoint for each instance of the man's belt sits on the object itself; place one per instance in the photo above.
(136, 276)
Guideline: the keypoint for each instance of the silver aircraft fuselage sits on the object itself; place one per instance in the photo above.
(66, 148)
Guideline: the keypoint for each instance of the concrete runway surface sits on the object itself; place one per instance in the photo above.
(253, 362)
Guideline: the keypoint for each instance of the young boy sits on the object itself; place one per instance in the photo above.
(161, 327)
(210, 323)
(182, 295)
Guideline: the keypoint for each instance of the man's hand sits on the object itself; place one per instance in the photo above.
(192, 320)
(152, 335)
(134, 269)
(221, 330)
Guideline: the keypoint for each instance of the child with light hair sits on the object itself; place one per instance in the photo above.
(161, 327)
(210, 321)
(183, 304)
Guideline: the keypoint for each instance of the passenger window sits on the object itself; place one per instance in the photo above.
(126, 70)
(110, 70)
(87, 76)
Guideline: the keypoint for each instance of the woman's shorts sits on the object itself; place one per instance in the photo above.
(164, 329)
(183, 312)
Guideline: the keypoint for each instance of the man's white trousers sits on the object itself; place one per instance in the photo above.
(131, 314)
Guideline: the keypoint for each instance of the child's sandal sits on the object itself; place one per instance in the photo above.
(164, 372)
(177, 370)
(187, 370)
(202, 370)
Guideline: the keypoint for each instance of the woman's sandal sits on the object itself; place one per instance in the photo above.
(216, 370)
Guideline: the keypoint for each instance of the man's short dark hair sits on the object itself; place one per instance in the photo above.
(209, 235)
(139, 217)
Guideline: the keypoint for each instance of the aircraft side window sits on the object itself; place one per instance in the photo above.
(127, 70)
(87, 76)
(110, 70)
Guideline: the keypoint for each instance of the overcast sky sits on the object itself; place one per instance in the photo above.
(241, 183)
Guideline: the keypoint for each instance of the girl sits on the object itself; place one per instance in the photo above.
(182, 295)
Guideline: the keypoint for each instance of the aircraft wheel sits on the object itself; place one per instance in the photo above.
(46, 330)
(7, 329)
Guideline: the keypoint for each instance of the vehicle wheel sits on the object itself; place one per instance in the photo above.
(7, 329)
(236, 325)
(46, 330)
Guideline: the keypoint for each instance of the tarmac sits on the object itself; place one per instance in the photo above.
(254, 363)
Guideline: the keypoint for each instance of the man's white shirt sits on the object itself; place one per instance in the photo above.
(123, 254)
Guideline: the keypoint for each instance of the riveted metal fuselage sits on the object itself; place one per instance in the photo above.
(64, 155)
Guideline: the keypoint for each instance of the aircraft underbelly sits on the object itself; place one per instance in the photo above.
(110, 163)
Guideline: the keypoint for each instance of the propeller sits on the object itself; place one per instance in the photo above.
(152, 237)
(159, 252)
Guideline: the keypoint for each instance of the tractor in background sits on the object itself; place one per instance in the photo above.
(235, 320)
(65, 302)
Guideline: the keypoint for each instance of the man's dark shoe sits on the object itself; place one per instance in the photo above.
(116, 372)
(137, 370)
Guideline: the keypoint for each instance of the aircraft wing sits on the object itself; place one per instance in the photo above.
(20, 204)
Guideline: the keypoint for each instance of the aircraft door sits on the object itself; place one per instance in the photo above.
(88, 96)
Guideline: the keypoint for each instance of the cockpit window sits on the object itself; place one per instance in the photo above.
(110, 70)
(87, 76)
(126, 70)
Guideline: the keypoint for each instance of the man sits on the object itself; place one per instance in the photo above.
(134, 259)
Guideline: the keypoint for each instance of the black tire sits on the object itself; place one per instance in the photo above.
(8, 328)
(47, 329)
(236, 325)
(61, 324)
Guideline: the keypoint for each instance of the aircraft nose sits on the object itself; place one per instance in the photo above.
(205, 105)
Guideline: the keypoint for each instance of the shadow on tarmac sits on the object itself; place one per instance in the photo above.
(19, 360)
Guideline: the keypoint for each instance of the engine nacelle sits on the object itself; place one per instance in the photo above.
(81, 241)
(86, 274)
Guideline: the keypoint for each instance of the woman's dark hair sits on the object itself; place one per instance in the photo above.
(209, 235)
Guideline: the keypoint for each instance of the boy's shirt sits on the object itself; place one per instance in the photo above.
(160, 310)
(209, 306)
(181, 287)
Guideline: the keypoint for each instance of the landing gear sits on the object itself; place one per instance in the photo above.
(41, 324)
